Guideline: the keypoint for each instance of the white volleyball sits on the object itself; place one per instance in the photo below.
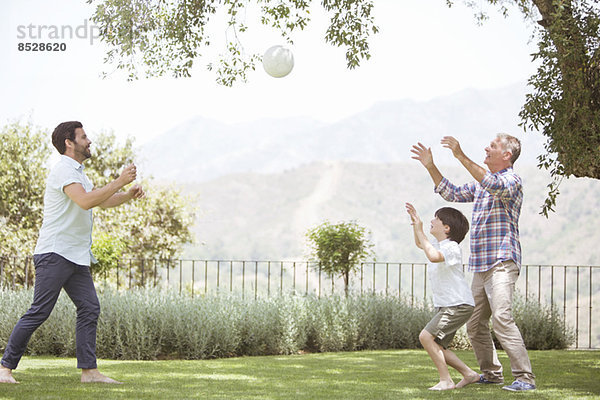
(278, 61)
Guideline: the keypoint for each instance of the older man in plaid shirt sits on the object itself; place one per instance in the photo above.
(495, 258)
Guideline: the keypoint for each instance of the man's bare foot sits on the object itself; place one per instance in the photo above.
(443, 385)
(6, 375)
(94, 376)
(468, 379)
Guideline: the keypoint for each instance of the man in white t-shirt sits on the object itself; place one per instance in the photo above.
(452, 296)
(63, 252)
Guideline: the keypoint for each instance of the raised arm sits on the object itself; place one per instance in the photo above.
(421, 241)
(135, 192)
(416, 223)
(88, 200)
(475, 170)
(424, 155)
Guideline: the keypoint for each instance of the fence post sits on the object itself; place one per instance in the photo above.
(306, 291)
(319, 280)
(205, 277)
(193, 276)
(362, 266)
(294, 278)
(387, 272)
(374, 278)
(577, 312)
(400, 280)
(255, 280)
(565, 291)
(243, 278)
(231, 276)
(526, 282)
(218, 274)
(539, 284)
(552, 285)
(180, 274)
(590, 316)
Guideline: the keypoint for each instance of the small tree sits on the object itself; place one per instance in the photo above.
(155, 227)
(108, 250)
(340, 247)
(24, 152)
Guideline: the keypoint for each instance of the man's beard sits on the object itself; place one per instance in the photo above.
(85, 151)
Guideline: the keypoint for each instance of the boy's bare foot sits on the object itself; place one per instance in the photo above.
(6, 375)
(94, 376)
(468, 379)
(442, 385)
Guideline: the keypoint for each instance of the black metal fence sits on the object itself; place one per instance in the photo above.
(574, 290)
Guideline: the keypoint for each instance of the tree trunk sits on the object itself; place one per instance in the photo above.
(574, 132)
(346, 282)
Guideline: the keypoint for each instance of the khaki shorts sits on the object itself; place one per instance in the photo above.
(447, 321)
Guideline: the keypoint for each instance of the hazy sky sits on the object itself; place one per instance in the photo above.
(424, 50)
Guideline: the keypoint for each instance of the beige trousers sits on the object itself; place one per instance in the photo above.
(493, 293)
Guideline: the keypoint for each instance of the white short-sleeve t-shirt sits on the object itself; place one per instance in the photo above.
(447, 279)
(67, 228)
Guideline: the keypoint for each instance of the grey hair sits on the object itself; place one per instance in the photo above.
(512, 144)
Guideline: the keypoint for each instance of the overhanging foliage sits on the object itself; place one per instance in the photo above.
(168, 36)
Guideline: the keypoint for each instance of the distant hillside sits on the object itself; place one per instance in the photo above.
(199, 150)
(262, 184)
(265, 216)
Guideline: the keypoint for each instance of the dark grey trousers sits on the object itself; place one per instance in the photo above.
(52, 273)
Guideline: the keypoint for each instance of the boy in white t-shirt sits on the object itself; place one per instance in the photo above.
(452, 297)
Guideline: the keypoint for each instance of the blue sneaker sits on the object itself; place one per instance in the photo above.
(519, 386)
(482, 380)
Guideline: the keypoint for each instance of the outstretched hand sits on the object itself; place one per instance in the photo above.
(423, 154)
(451, 143)
(414, 217)
(128, 175)
(136, 192)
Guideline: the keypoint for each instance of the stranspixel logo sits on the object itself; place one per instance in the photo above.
(52, 37)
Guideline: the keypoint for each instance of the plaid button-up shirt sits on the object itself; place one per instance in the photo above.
(495, 221)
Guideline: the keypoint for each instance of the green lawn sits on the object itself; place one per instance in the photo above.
(394, 374)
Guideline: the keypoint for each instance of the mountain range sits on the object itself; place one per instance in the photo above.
(201, 149)
(261, 185)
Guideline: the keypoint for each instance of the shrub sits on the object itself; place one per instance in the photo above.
(146, 324)
(461, 340)
(149, 323)
(55, 336)
(391, 322)
(542, 326)
(275, 325)
(12, 306)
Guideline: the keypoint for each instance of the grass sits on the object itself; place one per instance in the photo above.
(394, 374)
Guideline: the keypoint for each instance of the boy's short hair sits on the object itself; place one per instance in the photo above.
(458, 223)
